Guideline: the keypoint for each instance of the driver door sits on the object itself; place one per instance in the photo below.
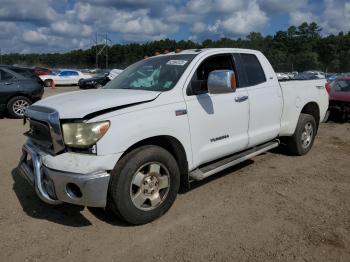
(218, 122)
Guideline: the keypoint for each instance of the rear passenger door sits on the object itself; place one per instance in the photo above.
(74, 77)
(265, 97)
(63, 78)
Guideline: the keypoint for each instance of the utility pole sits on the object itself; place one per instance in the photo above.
(96, 48)
(105, 42)
(0, 57)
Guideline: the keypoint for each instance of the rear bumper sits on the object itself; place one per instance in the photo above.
(54, 187)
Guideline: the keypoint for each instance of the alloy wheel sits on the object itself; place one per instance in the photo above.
(19, 106)
(150, 186)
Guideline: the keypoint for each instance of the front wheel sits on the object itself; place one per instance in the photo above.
(303, 138)
(17, 106)
(144, 184)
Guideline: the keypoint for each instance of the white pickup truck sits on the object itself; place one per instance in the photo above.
(162, 123)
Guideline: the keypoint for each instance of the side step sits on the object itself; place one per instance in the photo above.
(215, 167)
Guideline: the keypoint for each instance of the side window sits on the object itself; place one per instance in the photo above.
(200, 77)
(341, 86)
(64, 73)
(254, 72)
(23, 72)
(73, 73)
(5, 76)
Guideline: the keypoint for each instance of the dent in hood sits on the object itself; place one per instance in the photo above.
(80, 104)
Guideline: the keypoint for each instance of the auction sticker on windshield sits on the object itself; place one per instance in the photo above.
(177, 62)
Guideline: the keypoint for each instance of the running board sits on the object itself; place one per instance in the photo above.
(213, 168)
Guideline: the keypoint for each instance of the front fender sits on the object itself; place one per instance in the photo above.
(132, 127)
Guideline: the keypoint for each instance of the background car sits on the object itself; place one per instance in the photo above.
(19, 88)
(99, 80)
(339, 99)
(64, 77)
(42, 71)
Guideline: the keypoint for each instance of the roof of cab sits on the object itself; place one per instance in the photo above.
(205, 50)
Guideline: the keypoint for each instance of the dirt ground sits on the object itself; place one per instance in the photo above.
(273, 208)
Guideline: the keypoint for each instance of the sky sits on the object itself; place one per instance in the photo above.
(61, 25)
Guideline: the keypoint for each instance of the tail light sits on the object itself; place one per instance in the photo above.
(328, 87)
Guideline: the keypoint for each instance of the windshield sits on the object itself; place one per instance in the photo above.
(159, 73)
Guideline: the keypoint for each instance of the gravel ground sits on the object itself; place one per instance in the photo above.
(272, 208)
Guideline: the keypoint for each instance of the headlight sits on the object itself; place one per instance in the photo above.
(83, 135)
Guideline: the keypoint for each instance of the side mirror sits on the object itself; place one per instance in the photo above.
(221, 82)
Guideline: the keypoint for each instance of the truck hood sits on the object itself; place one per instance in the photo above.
(80, 104)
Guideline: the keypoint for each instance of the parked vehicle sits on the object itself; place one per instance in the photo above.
(42, 71)
(339, 98)
(64, 77)
(19, 88)
(305, 76)
(316, 74)
(165, 121)
(282, 76)
(99, 80)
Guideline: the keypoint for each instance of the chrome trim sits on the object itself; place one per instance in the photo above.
(220, 82)
(35, 176)
(93, 186)
(241, 98)
(51, 117)
(198, 174)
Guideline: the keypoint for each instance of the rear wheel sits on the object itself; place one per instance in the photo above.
(144, 185)
(98, 86)
(303, 138)
(48, 83)
(17, 106)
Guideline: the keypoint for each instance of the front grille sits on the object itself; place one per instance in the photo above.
(39, 132)
(45, 129)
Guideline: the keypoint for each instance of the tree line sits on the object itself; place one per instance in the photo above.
(296, 49)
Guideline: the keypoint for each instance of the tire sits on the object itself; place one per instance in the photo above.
(303, 138)
(48, 83)
(144, 185)
(17, 105)
(98, 86)
(327, 116)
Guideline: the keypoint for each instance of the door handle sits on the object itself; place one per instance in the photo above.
(241, 98)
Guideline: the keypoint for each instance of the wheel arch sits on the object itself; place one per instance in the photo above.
(174, 147)
(312, 108)
(18, 95)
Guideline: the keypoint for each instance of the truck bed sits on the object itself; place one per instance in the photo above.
(295, 93)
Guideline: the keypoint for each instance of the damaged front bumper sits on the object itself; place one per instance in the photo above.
(88, 187)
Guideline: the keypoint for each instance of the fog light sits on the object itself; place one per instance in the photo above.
(73, 191)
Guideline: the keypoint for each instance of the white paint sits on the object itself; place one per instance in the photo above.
(269, 112)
